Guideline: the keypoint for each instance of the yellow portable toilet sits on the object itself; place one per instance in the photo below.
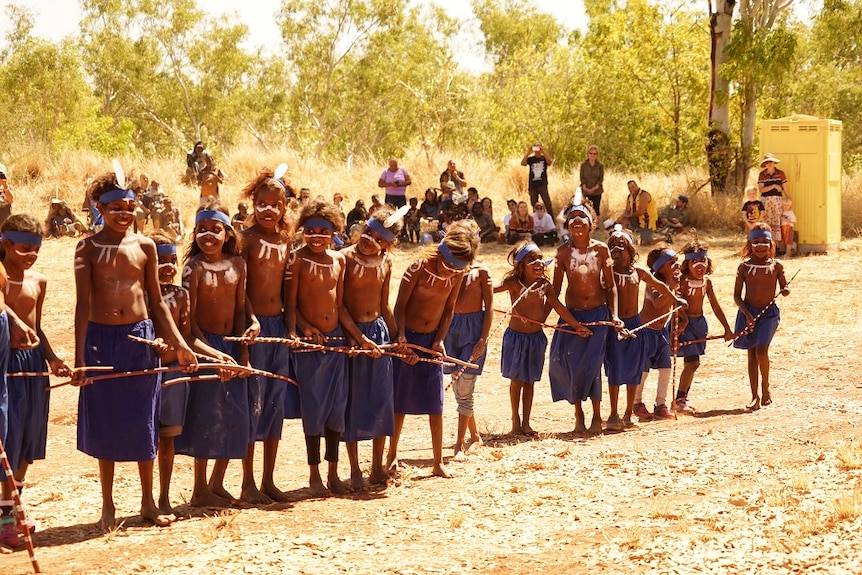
(810, 152)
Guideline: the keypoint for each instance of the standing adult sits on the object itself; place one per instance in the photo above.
(456, 176)
(772, 184)
(538, 160)
(6, 197)
(592, 178)
(395, 181)
(640, 214)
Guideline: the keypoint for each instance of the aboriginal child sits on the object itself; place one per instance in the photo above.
(655, 316)
(115, 276)
(467, 340)
(314, 311)
(524, 343)
(413, 222)
(758, 274)
(423, 312)
(265, 246)
(591, 297)
(753, 209)
(624, 357)
(695, 285)
(28, 395)
(369, 415)
(217, 422)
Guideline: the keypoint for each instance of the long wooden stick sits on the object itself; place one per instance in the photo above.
(749, 328)
(559, 327)
(48, 373)
(190, 378)
(442, 356)
(633, 332)
(20, 515)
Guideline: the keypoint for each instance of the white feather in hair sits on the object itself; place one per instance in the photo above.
(119, 173)
(399, 213)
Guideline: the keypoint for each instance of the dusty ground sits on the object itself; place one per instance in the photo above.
(777, 491)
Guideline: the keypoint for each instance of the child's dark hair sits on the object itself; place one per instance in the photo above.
(517, 270)
(694, 246)
(318, 208)
(654, 256)
(231, 244)
(380, 214)
(265, 180)
(625, 235)
(571, 212)
(161, 238)
(20, 223)
(761, 227)
(462, 237)
(102, 184)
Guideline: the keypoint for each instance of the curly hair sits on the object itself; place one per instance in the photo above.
(462, 237)
(319, 208)
(747, 252)
(695, 245)
(517, 270)
(160, 238)
(102, 184)
(265, 181)
(629, 245)
(653, 257)
(231, 246)
(380, 214)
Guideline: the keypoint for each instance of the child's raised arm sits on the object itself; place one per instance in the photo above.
(660, 287)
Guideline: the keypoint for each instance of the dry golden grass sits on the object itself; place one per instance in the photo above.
(849, 455)
(847, 505)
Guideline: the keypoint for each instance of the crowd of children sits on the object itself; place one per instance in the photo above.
(285, 332)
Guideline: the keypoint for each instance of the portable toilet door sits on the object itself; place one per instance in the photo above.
(809, 149)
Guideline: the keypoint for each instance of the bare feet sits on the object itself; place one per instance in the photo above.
(529, 431)
(251, 494)
(754, 405)
(318, 489)
(356, 483)
(108, 521)
(440, 471)
(392, 466)
(166, 507)
(580, 427)
(627, 421)
(379, 477)
(274, 492)
(614, 423)
(220, 491)
(152, 514)
(208, 499)
(767, 399)
(477, 441)
(517, 429)
(595, 427)
(337, 486)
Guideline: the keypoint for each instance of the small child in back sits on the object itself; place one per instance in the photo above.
(758, 275)
(788, 223)
(753, 209)
(412, 221)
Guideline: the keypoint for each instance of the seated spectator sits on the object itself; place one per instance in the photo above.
(544, 230)
(488, 206)
(239, 218)
(336, 201)
(375, 204)
(358, 215)
(752, 209)
(472, 197)
(513, 208)
(62, 222)
(520, 225)
(674, 218)
(488, 231)
(170, 215)
(142, 213)
(430, 207)
(447, 195)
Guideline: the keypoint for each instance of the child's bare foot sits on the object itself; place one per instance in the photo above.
(580, 427)
(595, 427)
(337, 486)
(108, 521)
(627, 421)
(477, 441)
(440, 471)
(379, 477)
(517, 429)
(152, 514)
(220, 491)
(251, 494)
(356, 483)
(166, 507)
(754, 405)
(274, 492)
(208, 499)
(767, 399)
(392, 466)
(614, 423)
(318, 489)
(529, 431)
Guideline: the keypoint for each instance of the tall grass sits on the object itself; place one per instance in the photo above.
(36, 179)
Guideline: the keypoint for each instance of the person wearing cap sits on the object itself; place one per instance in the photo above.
(544, 230)
(772, 184)
(169, 217)
(592, 178)
(538, 160)
(640, 215)
(674, 217)
(6, 197)
(195, 163)
(395, 180)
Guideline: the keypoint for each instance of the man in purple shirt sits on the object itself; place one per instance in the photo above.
(395, 181)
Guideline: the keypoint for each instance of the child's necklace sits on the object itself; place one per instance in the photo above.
(317, 268)
(630, 277)
(753, 268)
(359, 268)
(267, 248)
(434, 277)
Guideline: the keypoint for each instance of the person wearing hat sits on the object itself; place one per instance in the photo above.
(6, 197)
(169, 218)
(538, 160)
(772, 184)
(674, 217)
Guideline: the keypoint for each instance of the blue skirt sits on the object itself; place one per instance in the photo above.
(696, 329)
(418, 388)
(217, 418)
(175, 400)
(322, 379)
(28, 408)
(118, 418)
(523, 355)
(656, 344)
(370, 410)
(575, 367)
(4, 362)
(267, 396)
(764, 329)
(624, 357)
(464, 331)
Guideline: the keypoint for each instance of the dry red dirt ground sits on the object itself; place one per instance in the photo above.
(725, 491)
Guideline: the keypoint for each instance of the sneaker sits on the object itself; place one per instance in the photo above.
(662, 412)
(642, 412)
(683, 406)
(9, 533)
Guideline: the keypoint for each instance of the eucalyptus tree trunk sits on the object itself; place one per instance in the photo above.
(718, 149)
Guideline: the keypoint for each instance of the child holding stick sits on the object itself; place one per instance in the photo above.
(28, 395)
(217, 419)
(368, 268)
(316, 311)
(695, 286)
(423, 312)
(115, 277)
(524, 343)
(758, 316)
(265, 246)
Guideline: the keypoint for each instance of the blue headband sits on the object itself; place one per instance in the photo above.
(166, 249)
(216, 215)
(626, 235)
(696, 256)
(26, 238)
(525, 251)
(318, 223)
(581, 209)
(665, 257)
(279, 183)
(116, 194)
(758, 233)
(380, 229)
(444, 250)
